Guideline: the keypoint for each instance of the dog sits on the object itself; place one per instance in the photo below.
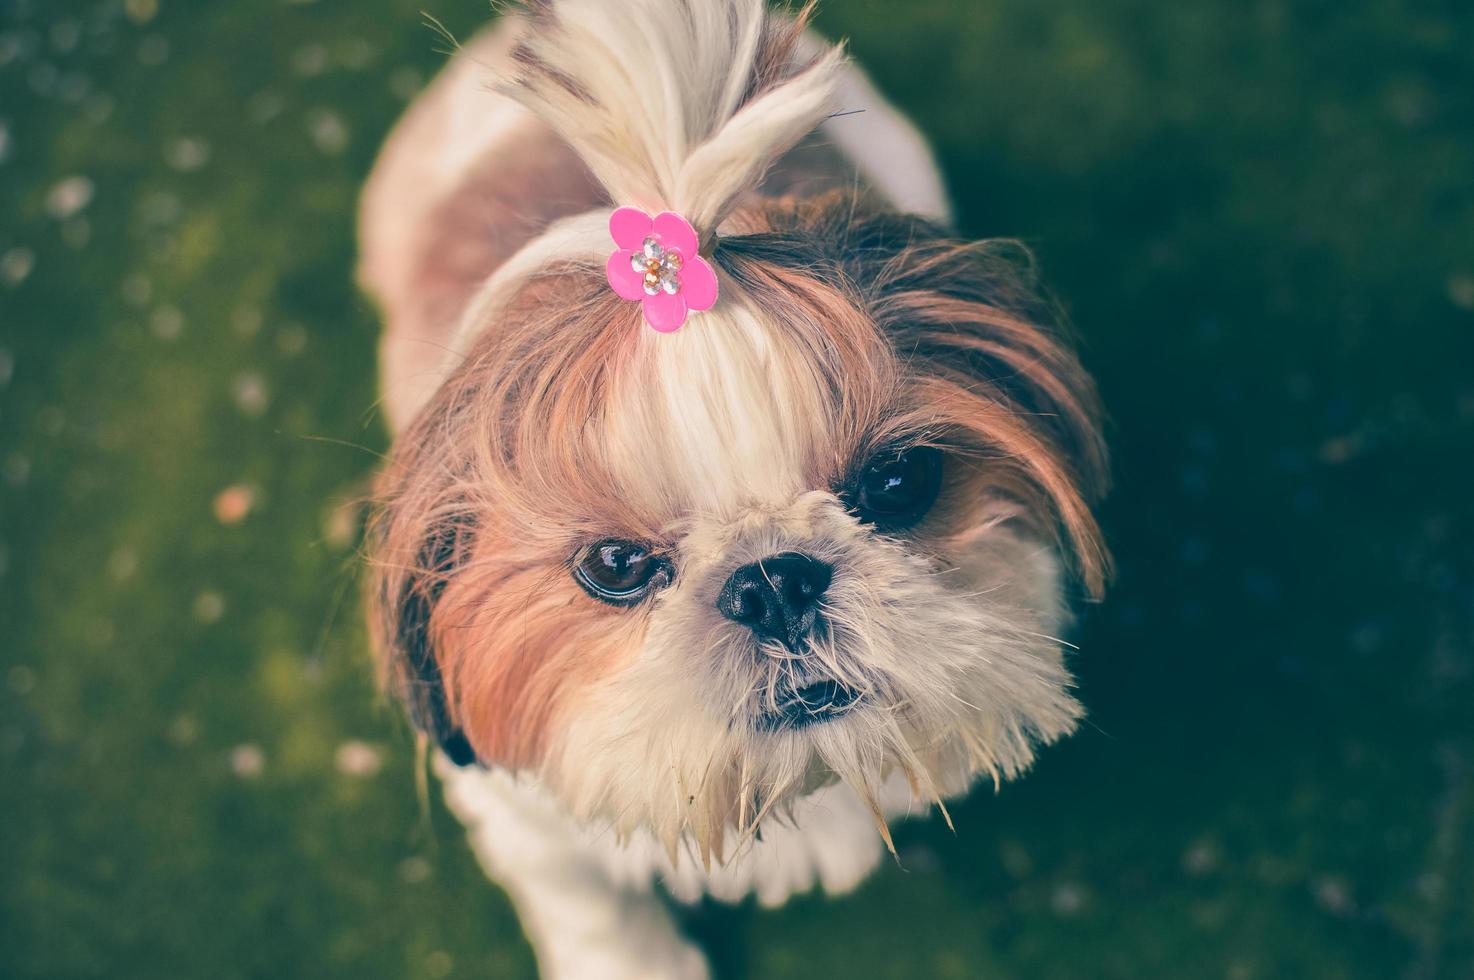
(707, 605)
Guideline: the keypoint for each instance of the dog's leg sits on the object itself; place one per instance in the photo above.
(582, 924)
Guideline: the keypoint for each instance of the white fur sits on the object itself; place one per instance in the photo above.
(583, 888)
(587, 901)
(584, 923)
(658, 115)
(650, 780)
(953, 686)
(884, 146)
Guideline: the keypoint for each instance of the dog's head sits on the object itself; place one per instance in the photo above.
(820, 533)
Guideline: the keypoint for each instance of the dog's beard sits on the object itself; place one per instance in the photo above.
(952, 665)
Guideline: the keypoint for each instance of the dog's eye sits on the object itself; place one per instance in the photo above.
(619, 572)
(896, 489)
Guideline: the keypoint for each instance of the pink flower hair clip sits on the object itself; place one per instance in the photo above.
(656, 263)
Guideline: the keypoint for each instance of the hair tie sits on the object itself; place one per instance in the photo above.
(656, 263)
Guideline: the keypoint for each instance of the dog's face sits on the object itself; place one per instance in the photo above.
(814, 535)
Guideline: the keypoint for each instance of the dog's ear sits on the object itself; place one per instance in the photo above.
(407, 599)
(988, 355)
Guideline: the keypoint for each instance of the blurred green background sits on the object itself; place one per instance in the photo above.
(1260, 214)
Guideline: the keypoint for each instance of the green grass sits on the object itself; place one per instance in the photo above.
(1261, 217)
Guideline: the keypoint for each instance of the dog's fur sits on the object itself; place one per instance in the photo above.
(601, 748)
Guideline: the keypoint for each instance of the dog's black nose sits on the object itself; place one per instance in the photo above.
(778, 597)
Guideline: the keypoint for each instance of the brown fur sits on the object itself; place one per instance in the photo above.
(989, 373)
(914, 337)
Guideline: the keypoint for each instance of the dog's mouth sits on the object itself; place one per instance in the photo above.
(811, 704)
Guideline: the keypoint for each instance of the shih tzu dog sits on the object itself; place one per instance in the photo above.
(733, 503)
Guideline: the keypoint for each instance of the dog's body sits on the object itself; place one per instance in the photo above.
(605, 772)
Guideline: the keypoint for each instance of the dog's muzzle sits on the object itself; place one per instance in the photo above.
(811, 704)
